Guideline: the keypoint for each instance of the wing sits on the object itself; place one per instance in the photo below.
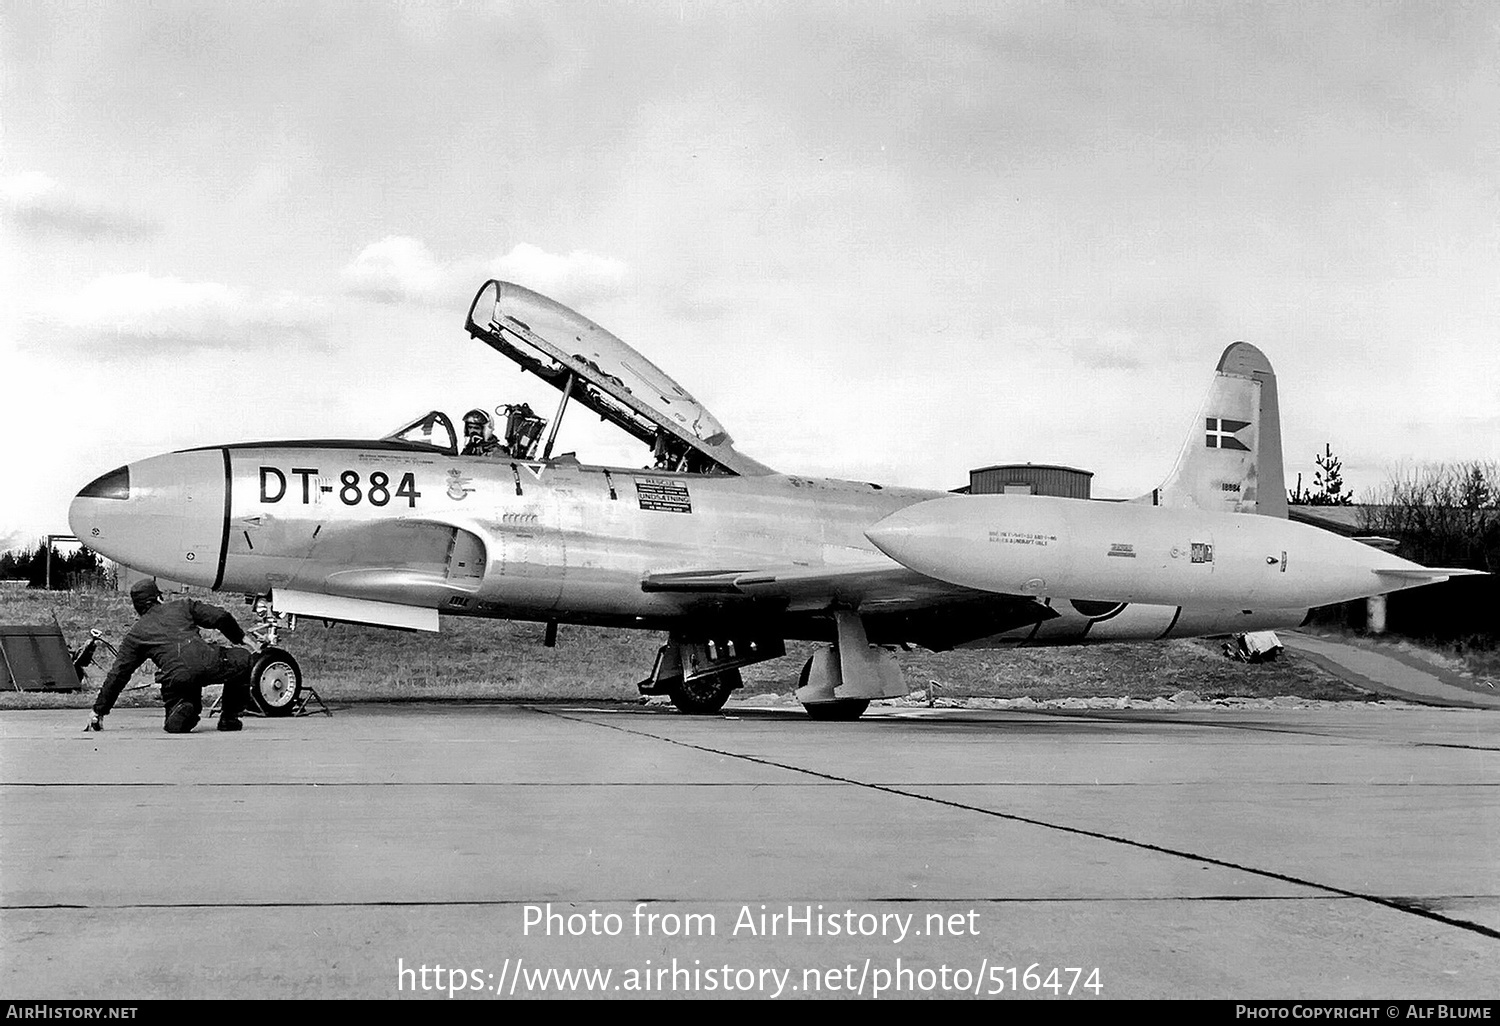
(897, 604)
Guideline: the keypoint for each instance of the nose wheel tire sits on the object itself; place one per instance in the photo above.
(705, 695)
(275, 682)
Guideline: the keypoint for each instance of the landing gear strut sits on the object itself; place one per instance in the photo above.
(275, 677)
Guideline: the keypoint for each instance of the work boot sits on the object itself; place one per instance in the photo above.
(181, 718)
(230, 723)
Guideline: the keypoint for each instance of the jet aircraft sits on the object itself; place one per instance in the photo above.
(725, 555)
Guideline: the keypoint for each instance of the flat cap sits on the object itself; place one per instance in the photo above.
(144, 591)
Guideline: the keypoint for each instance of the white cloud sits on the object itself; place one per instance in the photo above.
(135, 314)
(26, 188)
(37, 203)
(396, 269)
(400, 269)
(578, 276)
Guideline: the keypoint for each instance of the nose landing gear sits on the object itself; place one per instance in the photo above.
(275, 678)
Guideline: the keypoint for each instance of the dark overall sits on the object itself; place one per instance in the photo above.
(203, 666)
(167, 634)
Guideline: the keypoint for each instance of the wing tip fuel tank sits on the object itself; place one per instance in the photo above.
(1070, 548)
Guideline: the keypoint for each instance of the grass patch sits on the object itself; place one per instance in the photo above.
(497, 660)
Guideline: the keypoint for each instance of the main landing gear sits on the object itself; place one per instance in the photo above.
(703, 695)
(699, 674)
(830, 709)
(837, 683)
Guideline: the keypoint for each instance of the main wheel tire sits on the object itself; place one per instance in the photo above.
(275, 682)
(840, 709)
(705, 695)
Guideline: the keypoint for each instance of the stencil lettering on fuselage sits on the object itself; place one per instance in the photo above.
(663, 494)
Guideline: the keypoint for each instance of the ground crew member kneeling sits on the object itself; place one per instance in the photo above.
(167, 634)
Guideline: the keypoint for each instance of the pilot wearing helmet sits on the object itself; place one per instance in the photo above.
(479, 435)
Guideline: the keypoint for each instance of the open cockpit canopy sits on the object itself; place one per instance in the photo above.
(593, 367)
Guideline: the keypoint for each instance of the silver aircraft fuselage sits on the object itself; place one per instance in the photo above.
(390, 525)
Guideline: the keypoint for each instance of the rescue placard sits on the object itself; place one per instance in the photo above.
(663, 494)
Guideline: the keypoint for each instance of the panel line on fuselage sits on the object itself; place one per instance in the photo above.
(224, 534)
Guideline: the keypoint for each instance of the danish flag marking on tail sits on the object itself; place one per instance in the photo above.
(1221, 434)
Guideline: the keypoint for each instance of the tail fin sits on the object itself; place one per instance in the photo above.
(1231, 461)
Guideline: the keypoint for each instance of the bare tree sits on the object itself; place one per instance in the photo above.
(1444, 514)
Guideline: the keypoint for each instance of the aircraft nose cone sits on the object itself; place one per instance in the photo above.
(92, 505)
(163, 516)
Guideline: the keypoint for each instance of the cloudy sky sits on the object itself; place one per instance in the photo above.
(885, 241)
